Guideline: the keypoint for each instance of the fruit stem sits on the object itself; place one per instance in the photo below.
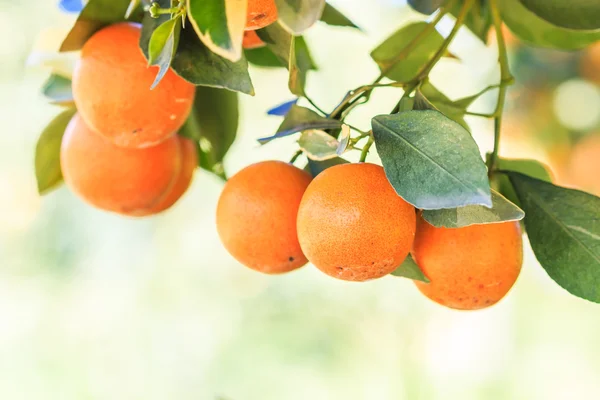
(505, 79)
(156, 10)
(365, 150)
(295, 156)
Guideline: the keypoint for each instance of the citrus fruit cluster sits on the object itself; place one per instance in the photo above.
(351, 224)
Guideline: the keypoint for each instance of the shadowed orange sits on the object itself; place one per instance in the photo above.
(471, 267)
(111, 88)
(252, 41)
(113, 178)
(352, 225)
(260, 14)
(256, 216)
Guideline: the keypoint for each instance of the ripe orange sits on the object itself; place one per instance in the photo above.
(111, 88)
(189, 162)
(584, 164)
(114, 178)
(260, 14)
(252, 41)
(352, 225)
(256, 216)
(471, 267)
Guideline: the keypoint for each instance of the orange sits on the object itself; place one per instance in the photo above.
(584, 164)
(189, 162)
(256, 216)
(352, 225)
(471, 267)
(111, 88)
(260, 14)
(252, 41)
(113, 178)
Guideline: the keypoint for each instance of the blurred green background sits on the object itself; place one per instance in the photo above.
(95, 306)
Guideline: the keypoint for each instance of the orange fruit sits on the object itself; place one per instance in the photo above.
(111, 88)
(584, 164)
(471, 267)
(352, 225)
(189, 162)
(252, 41)
(260, 14)
(256, 216)
(590, 62)
(114, 178)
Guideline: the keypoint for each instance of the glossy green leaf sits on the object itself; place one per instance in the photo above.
(528, 167)
(214, 123)
(197, 64)
(299, 15)
(299, 119)
(563, 226)
(318, 145)
(263, 57)
(479, 18)
(47, 152)
(502, 210)
(58, 90)
(162, 47)
(316, 167)
(96, 15)
(332, 16)
(409, 269)
(534, 30)
(431, 161)
(426, 7)
(220, 25)
(572, 14)
(400, 65)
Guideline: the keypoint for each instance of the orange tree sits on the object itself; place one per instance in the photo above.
(452, 216)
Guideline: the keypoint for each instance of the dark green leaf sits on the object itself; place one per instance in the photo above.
(527, 167)
(563, 227)
(263, 57)
(409, 269)
(478, 19)
(572, 14)
(299, 119)
(332, 16)
(534, 30)
(162, 47)
(220, 25)
(214, 123)
(452, 110)
(299, 15)
(96, 15)
(196, 63)
(400, 62)
(502, 210)
(58, 90)
(426, 7)
(431, 161)
(278, 40)
(316, 167)
(47, 152)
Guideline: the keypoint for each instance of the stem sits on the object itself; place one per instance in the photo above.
(505, 78)
(312, 103)
(295, 156)
(365, 150)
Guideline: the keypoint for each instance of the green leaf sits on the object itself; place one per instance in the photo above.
(195, 63)
(318, 145)
(316, 167)
(431, 161)
(332, 16)
(58, 90)
(163, 46)
(214, 123)
(299, 119)
(563, 226)
(299, 15)
(572, 14)
(426, 7)
(527, 167)
(453, 110)
(47, 152)
(95, 15)
(502, 210)
(409, 269)
(534, 30)
(263, 57)
(220, 25)
(400, 65)
(478, 19)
